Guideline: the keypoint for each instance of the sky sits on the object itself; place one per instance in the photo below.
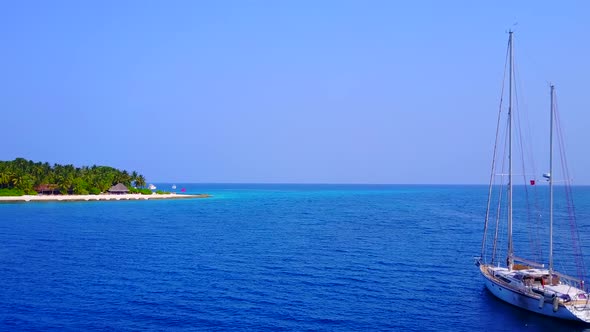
(393, 92)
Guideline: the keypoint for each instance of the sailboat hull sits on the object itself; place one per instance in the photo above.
(580, 313)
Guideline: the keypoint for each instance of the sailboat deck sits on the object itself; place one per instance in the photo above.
(577, 296)
(565, 289)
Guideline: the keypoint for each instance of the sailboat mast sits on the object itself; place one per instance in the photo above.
(552, 110)
(509, 259)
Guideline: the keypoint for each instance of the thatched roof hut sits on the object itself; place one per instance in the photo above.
(119, 188)
(47, 189)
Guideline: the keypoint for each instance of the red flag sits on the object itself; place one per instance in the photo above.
(532, 182)
(183, 189)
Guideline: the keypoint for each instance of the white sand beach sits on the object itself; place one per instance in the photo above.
(101, 197)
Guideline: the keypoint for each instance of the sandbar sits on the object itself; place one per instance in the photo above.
(101, 197)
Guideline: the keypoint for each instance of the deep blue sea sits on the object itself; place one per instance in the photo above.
(258, 258)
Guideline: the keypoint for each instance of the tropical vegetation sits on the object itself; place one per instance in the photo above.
(21, 176)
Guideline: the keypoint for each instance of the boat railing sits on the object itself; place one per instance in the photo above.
(581, 305)
(572, 281)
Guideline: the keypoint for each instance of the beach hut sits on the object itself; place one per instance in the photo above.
(47, 189)
(119, 189)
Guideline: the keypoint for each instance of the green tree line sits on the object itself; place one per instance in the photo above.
(26, 176)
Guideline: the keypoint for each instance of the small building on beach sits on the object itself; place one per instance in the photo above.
(118, 189)
(47, 189)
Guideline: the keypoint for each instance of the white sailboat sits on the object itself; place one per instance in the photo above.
(527, 283)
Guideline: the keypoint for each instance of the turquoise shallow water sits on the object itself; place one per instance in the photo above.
(258, 257)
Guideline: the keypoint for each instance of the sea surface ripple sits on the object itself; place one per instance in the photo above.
(257, 257)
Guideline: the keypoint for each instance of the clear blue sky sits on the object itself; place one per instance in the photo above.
(285, 91)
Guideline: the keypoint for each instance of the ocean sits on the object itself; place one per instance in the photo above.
(259, 258)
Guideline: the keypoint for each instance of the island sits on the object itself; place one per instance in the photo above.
(26, 180)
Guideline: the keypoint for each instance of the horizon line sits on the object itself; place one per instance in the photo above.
(357, 183)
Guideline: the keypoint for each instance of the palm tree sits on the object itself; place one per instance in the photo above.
(140, 182)
(134, 178)
(124, 178)
(23, 181)
(5, 178)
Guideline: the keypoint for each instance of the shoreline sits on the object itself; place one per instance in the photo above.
(101, 197)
